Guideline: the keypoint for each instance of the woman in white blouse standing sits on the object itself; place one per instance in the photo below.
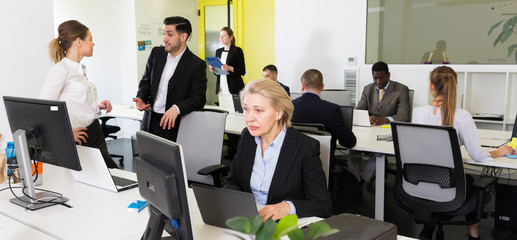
(443, 111)
(67, 81)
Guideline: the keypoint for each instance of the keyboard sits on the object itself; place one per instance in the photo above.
(122, 182)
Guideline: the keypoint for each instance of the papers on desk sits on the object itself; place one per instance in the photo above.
(385, 138)
(217, 64)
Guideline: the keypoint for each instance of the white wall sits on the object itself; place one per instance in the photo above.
(27, 28)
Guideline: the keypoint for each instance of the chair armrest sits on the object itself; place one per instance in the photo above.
(214, 169)
(217, 172)
(484, 182)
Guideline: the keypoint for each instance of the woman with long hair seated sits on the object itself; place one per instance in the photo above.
(443, 111)
(278, 164)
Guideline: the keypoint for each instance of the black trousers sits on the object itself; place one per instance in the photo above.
(154, 127)
(96, 140)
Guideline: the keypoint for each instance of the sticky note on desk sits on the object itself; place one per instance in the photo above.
(385, 126)
(513, 143)
(136, 207)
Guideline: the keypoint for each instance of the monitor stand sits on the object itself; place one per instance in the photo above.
(31, 200)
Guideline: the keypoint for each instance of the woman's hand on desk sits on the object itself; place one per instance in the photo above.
(275, 211)
(80, 135)
(501, 151)
(140, 105)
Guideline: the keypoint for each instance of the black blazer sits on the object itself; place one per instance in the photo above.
(298, 176)
(310, 108)
(236, 60)
(186, 89)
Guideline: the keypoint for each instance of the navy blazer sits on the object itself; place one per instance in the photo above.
(236, 60)
(298, 176)
(310, 108)
(186, 89)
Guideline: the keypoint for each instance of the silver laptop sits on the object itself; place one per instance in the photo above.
(218, 204)
(361, 118)
(96, 173)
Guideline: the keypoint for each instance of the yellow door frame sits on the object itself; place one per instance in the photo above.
(237, 22)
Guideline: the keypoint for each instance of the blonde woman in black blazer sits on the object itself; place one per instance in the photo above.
(278, 164)
(233, 63)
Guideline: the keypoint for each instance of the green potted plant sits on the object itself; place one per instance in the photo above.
(288, 225)
(509, 28)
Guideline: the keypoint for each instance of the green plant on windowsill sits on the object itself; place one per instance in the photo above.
(508, 29)
(258, 230)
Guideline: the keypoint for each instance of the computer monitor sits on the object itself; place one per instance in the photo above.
(514, 133)
(41, 132)
(162, 181)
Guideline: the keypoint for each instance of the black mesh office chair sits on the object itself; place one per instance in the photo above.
(430, 181)
(108, 131)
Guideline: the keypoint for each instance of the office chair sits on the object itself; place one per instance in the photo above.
(309, 126)
(108, 131)
(201, 137)
(324, 139)
(430, 181)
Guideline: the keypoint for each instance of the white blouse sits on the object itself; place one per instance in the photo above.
(67, 81)
(464, 125)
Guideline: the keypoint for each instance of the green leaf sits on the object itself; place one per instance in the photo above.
(256, 223)
(266, 231)
(240, 224)
(296, 234)
(511, 49)
(498, 38)
(285, 225)
(494, 27)
(317, 229)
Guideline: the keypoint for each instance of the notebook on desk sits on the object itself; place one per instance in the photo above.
(96, 173)
(218, 204)
(361, 118)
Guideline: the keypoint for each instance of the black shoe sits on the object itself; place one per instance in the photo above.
(426, 233)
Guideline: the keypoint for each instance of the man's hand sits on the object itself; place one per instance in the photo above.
(140, 105)
(106, 104)
(275, 211)
(169, 118)
(80, 135)
(379, 121)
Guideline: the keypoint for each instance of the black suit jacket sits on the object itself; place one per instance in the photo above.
(236, 60)
(310, 108)
(186, 89)
(298, 176)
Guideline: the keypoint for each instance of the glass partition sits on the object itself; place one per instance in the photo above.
(441, 31)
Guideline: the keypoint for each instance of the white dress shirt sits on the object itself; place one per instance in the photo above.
(67, 81)
(464, 125)
(168, 71)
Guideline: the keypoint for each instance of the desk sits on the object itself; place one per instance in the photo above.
(367, 142)
(96, 214)
(491, 137)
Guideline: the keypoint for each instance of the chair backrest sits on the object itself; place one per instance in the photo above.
(324, 139)
(201, 135)
(348, 115)
(338, 96)
(430, 176)
(411, 94)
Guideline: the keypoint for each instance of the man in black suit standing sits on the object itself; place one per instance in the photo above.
(174, 81)
(310, 108)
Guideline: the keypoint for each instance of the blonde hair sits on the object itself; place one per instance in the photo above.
(68, 32)
(444, 80)
(276, 96)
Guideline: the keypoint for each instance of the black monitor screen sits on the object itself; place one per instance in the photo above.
(162, 182)
(49, 133)
(514, 134)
